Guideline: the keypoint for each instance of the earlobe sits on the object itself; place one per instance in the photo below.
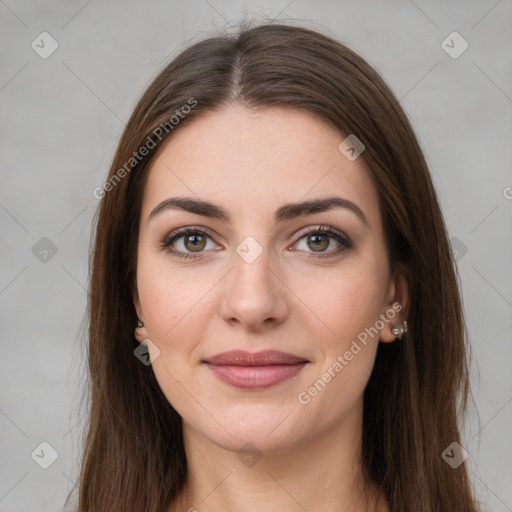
(140, 329)
(400, 330)
(140, 332)
(396, 311)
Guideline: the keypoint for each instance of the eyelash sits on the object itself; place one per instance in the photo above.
(343, 240)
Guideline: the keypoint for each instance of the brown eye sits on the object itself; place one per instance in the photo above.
(189, 242)
(194, 243)
(322, 242)
(318, 242)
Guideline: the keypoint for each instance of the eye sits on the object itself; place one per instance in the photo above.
(190, 242)
(183, 243)
(316, 241)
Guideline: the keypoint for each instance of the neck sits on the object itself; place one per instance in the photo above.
(324, 473)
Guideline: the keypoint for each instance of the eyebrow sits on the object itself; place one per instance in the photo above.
(286, 212)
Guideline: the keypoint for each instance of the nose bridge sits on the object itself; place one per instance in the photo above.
(251, 263)
(253, 293)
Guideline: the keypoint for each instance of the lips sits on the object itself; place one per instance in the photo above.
(259, 370)
(242, 358)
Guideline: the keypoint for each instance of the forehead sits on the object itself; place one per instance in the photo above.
(251, 162)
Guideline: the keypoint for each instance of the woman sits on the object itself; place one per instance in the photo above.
(275, 321)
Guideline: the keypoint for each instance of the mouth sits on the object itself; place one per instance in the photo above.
(259, 370)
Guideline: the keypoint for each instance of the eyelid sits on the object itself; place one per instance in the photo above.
(322, 228)
(178, 233)
(344, 242)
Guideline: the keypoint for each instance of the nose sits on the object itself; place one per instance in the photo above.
(255, 295)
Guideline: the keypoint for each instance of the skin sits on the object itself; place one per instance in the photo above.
(251, 163)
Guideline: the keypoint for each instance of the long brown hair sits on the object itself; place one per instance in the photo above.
(133, 454)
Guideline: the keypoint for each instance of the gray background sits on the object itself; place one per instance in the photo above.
(62, 116)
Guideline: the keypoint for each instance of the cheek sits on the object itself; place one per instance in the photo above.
(349, 302)
(173, 301)
(350, 308)
(174, 308)
(346, 301)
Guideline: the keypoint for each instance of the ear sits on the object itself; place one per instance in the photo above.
(396, 307)
(140, 332)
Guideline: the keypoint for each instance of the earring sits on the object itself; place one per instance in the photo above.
(400, 331)
(140, 324)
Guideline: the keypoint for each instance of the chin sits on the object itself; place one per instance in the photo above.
(252, 440)
(261, 427)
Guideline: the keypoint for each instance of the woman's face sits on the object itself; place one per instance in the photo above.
(257, 272)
